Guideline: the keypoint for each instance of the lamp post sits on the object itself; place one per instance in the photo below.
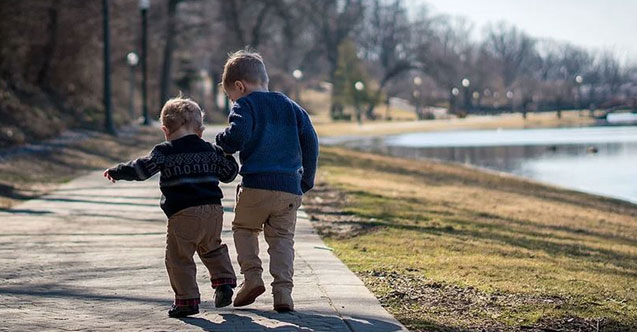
(108, 120)
(358, 86)
(452, 104)
(144, 5)
(416, 94)
(132, 60)
(579, 79)
(298, 75)
(467, 96)
(510, 98)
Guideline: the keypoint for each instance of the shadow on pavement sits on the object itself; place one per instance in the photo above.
(25, 211)
(78, 294)
(296, 321)
(74, 200)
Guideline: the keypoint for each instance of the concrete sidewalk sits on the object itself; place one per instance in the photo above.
(90, 256)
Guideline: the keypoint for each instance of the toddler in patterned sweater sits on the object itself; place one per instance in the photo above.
(191, 169)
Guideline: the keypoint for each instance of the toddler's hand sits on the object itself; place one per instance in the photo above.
(108, 176)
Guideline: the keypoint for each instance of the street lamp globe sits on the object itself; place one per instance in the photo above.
(132, 59)
(297, 74)
(510, 94)
(144, 4)
(359, 86)
(476, 95)
(579, 79)
(455, 91)
(466, 82)
(417, 81)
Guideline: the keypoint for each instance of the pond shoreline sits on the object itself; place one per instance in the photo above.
(595, 160)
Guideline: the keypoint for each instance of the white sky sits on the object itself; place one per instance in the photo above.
(594, 24)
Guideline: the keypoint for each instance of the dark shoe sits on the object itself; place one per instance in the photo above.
(223, 296)
(250, 290)
(283, 301)
(283, 308)
(183, 311)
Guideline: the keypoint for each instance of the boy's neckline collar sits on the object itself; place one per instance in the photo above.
(258, 91)
(183, 137)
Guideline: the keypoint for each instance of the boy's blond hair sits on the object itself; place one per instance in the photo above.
(244, 65)
(181, 111)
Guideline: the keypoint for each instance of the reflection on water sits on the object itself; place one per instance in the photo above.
(597, 160)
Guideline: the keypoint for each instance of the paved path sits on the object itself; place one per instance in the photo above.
(89, 256)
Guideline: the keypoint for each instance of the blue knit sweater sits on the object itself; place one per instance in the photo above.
(277, 142)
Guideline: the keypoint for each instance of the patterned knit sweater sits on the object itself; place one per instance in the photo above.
(190, 168)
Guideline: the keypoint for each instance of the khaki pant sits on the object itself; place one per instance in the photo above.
(274, 212)
(196, 229)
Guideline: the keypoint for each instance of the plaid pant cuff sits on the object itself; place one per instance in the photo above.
(224, 281)
(187, 302)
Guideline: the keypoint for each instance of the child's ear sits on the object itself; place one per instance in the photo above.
(240, 86)
(165, 130)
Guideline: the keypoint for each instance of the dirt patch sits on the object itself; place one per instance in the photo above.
(418, 297)
(324, 205)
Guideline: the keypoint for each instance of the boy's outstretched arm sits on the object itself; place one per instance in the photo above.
(227, 165)
(138, 169)
(239, 131)
(310, 152)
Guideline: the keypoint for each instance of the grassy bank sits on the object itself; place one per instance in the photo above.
(25, 174)
(508, 121)
(446, 247)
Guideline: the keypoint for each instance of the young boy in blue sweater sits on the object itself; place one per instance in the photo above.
(278, 150)
(191, 170)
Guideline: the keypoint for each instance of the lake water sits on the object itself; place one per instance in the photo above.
(599, 160)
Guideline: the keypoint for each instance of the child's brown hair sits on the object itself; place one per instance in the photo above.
(181, 111)
(244, 65)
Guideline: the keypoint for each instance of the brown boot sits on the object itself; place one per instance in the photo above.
(283, 301)
(250, 290)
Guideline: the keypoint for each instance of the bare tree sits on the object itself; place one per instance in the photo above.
(169, 48)
(443, 48)
(513, 48)
(246, 20)
(386, 41)
(333, 21)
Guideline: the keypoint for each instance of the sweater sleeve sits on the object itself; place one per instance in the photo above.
(310, 152)
(239, 131)
(227, 165)
(139, 169)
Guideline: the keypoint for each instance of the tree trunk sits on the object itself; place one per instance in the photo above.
(372, 104)
(168, 52)
(452, 103)
(216, 77)
(49, 47)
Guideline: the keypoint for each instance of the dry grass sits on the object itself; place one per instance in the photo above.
(534, 120)
(317, 103)
(448, 247)
(29, 175)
